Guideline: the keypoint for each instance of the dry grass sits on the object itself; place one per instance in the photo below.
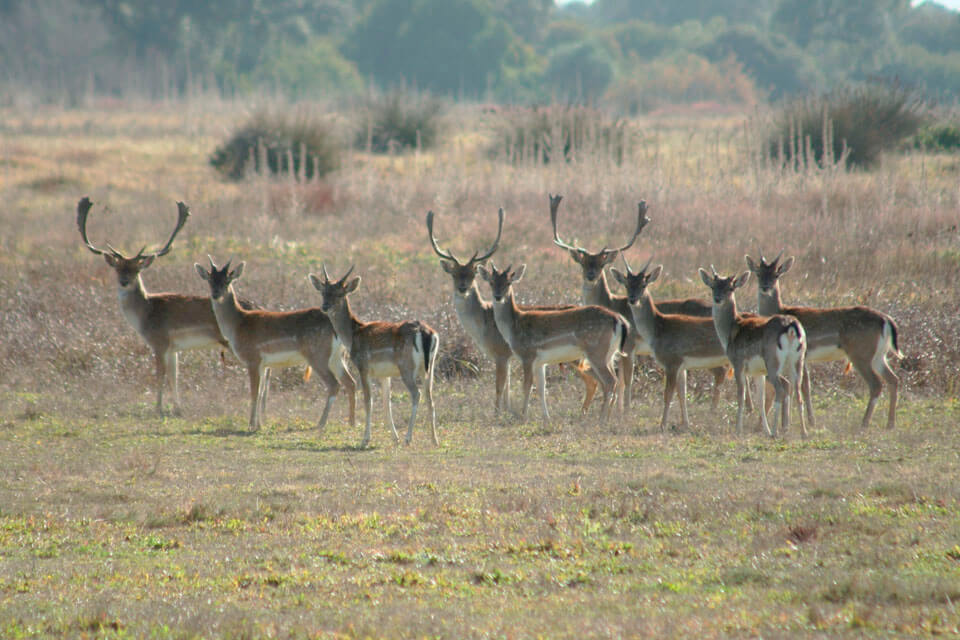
(116, 523)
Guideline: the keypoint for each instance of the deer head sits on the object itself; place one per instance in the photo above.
(464, 273)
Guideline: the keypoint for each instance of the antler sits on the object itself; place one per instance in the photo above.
(183, 212)
(496, 243)
(346, 275)
(433, 241)
(83, 209)
(554, 206)
(642, 221)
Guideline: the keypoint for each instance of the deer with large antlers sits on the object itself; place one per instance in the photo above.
(678, 342)
(774, 346)
(860, 334)
(539, 338)
(167, 322)
(382, 350)
(596, 291)
(263, 339)
(476, 316)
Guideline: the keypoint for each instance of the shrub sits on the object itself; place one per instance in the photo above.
(853, 123)
(944, 138)
(558, 133)
(399, 120)
(300, 143)
(579, 71)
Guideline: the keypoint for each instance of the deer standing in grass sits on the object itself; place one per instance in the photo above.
(263, 339)
(383, 350)
(863, 335)
(476, 316)
(678, 342)
(539, 338)
(167, 322)
(774, 346)
(596, 291)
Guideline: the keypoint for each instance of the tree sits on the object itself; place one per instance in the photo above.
(438, 45)
(579, 71)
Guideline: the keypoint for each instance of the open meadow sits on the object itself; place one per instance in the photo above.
(116, 522)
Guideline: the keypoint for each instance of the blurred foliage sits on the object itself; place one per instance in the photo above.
(541, 135)
(399, 120)
(850, 123)
(300, 142)
(518, 51)
(939, 138)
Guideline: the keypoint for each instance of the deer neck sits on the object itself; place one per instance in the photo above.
(228, 314)
(345, 324)
(597, 292)
(133, 303)
(471, 309)
(645, 316)
(769, 304)
(725, 320)
(505, 316)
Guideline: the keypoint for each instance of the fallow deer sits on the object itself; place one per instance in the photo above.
(382, 350)
(476, 316)
(860, 334)
(596, 291)
(167, 322)
(539, 338)
(773, 346)
(263, 339)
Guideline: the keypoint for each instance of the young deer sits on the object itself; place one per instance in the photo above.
(167, 322)
(539, 338)
(263, 339)
(596, 291)
(774, 346)
(383, 350)
(677, 342)
(863, 335)
(476, 316)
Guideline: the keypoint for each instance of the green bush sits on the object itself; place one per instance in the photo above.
(579, 71)
(399, 120)
(272, 142)
(942, 138)
(558, 133)
(854, 124)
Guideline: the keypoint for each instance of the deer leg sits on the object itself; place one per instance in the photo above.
(502, 382)
(541, 370)
(590, 385)
(368, 405)
(682, 392)
(719, 373)
(893, 382)
(332, 385)
(875, 385)
(807, 398)
(626, 370)
(669, 385)
(388, 409)
(253, 370)
(265, 389)
(410, 381)
(161, 367)
(173, 369)
(740, 375)
(527, 384)
(428, 391)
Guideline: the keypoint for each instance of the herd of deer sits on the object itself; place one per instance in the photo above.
(608, 330)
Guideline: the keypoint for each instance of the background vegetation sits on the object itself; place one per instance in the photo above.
(610, 53)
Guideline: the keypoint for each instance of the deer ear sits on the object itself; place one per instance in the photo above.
(237, 271)
(576, 255)
(447, 266)
(146, 261)
(750, 263)
(618, 276)
(352, 286)
(111, 259)
(655, 273)
(783, 268)
(482, 270)
(316, 281)
(741, 280)
(201, 272)
(706, 277)
(518, 273)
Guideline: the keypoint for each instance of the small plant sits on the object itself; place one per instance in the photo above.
(299, 143)
(938, 138)
(399, 120)
(851, 123)
(558, 133)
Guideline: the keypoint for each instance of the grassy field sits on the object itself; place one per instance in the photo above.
(115, 522)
